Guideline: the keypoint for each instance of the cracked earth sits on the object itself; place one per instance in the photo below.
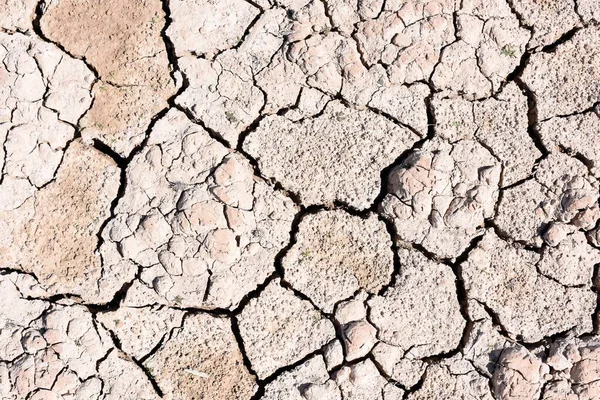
(300, 199)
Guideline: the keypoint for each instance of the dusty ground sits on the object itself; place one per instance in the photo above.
(300, 199)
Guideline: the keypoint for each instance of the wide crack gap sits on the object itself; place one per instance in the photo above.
(532, 118)
(551, 48)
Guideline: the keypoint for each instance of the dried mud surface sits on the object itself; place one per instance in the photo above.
(300, 199)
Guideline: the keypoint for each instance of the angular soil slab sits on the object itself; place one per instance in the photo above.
(566, 80)
(489, 50)
(278, 329)
(441, 194)
(204, 28)
(336, 156)
(499, 123)
(52, 351)
(54, 234)
(336, 254)
(194, 215)
(420, 312)
(528, 304)
(122, 42)
(561, 192)
(201, 360)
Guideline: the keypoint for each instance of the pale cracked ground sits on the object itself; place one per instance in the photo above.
(300, 199)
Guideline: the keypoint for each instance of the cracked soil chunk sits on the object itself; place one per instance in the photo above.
(205, 27)
(278, 329)
(529, 305)
(227, 102)
(561, 191)
(58, 241)
(549, 19)
(204, 228)
(499, 123)
(336, 156)
(577, 134)
(52, 351)
(201, 360)
(519, 375)
(122, 41)
(17, 14)
(576, 367)
(299, 383)
(489, 48)
(407, 36)
(336, 254)
(140, 330)
(42, 92)
(452, 379)
(441, 194)
(566, 80)
(420, 313)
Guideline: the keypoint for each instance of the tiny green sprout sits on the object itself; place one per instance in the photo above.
(231, 117)
(509, 51)
(456, 124)
(326, 30)
(99, 125)
(305, 254)
(178, 299)
(153, 20)
(102, 88)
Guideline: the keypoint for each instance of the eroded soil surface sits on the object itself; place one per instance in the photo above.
(300, 199)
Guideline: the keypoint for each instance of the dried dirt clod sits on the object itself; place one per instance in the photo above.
(336, 156)
(452, 379)
(43, 91)
(485, 343)
(363, 381)
(207, 27)
(57, 241)
(565, 81)
(408, 37)
(52, 351)
(529, 305)
(140, 330)
(122, 42)
(226, 92)
(499, 123)
(194, 215)
(576, 366)
(489, 47)
(577, 135)
(561, 191)
(17, 14)
(550, 20)
(398, 365)
(278, 328)
(308, 381)
(519, 375)
(123, 379)
(441, 194)
(571, 262)
(201, 360)
(420, 313)
(336, 254)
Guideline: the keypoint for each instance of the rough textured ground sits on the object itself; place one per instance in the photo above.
(300, 199)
